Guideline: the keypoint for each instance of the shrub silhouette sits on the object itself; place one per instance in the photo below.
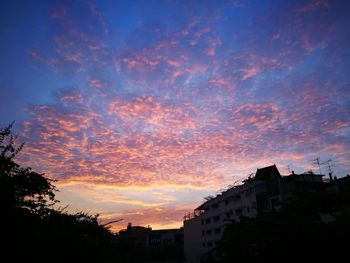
(31, 229)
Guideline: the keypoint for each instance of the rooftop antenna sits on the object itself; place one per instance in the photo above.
(329, 165)
(318, 162)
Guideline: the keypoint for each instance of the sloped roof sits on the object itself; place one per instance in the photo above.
(267, 173)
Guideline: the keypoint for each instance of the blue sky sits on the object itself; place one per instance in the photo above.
(142, 108)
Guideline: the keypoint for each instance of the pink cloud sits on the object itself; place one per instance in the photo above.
(95, 83)
(315, 4)
(249, 73)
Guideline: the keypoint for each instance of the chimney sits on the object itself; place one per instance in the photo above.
(293, 173)
(129, 226)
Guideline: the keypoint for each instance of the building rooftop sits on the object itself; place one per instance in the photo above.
(267, 173)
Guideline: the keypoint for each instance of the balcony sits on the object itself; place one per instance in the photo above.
(193, 215)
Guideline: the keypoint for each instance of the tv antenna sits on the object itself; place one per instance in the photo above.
(329, 165)
(319, 163)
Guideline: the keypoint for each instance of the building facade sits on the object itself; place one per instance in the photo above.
(264, 192)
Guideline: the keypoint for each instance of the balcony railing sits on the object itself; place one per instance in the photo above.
(192, 215)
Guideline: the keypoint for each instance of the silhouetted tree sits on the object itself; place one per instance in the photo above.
(21, 187)
(31, 229)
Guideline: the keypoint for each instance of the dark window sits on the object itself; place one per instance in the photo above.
(202, 221)
(239, 211)
(203, 232)
(210, 244)
(227, 201)
(207, 221)
(208, 232)
(229, 213)
(248, 209)
(203, 244)
(217, 230)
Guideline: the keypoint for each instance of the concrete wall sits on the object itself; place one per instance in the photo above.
(192, 240)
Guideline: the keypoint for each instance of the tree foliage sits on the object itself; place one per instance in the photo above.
(31, 229)
(21, 187)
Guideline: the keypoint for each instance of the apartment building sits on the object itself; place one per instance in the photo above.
(204, 227)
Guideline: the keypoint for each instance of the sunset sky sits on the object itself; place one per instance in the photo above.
(140, 109)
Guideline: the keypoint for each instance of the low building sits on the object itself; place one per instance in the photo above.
(142, 244)
(140, 236)
(137, 236)
(166, 237)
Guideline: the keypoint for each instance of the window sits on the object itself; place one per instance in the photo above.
(227, 201)
(203, 232)
(216, 206)
(239, 211)
(217, 230)
(207, 221)
(216, 218)
(202, 221)
(210, 244)
(208, 232)
(248, 209)
(203, 244)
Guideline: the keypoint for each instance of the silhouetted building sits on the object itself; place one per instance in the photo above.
(146, 237)
(294, 184)
(264, 192)
(166, 237)
(137, 236)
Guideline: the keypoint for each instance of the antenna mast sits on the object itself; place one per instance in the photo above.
(318, 162)
(329, 165)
